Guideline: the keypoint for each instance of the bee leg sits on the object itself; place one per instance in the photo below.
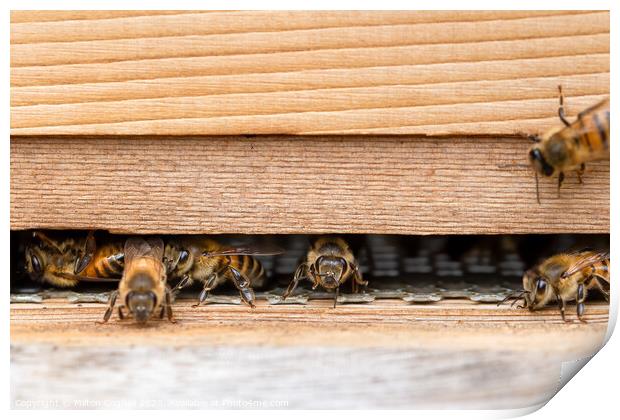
(581, 297)
(121, 315)
(357, 278)
(561, 108)
(181, 284)
(300, 274)
(580, 172)
(168, 307)
(291, 288)
(242, 283)
(313, 272)
(208, 286)
(562, 307)
(336, 293)
(603, 286)
(560, 180)
(581, 308)
(87, 254)
(537, 188)
(112, 302)
(90, 246)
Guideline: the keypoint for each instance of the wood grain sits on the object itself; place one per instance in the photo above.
(384, 355)
(451, 312)
(266, 184)
(190, 73)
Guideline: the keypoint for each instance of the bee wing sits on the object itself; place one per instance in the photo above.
(244, 250)
(136, 247)
(157, 247)
(585, 262)
(580, 251)
(89, 279)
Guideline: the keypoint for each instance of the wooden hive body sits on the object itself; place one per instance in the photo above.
(409, 123)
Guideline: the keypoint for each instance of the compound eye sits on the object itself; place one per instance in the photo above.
(36, 264)
(183, 256)
(541, 285)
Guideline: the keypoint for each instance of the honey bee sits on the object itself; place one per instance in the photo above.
(564, 277)
(212, 264)
(103, 261)
(570, 147)
(329, 263)
(142, 289)
(58, 262)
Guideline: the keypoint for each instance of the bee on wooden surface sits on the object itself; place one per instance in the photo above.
(142, 289)
(60, 263)
(564, 278)
(212, 264)
(329, 263)
(572, 146)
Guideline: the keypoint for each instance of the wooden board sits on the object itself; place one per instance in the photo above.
(385, 355)
(64, 315)
(350, 184)
(182, 73)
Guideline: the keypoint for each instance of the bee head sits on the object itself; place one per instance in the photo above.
(35, 262)
(330, 270)
(537, 289)
(177, 259)
(141, 305)
(539, 163)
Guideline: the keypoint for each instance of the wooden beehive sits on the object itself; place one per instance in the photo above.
(301, 122)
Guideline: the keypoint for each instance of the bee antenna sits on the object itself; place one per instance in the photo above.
(506, 299)
(537, 190)
(516, 295)
(518, 298)
(46, 240)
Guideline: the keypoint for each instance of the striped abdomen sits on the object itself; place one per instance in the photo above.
(250, 267)
(599, 269)
(108, 262)
(591, 133)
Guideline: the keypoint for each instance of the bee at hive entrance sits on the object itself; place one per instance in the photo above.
(285, 270)
(342, 308)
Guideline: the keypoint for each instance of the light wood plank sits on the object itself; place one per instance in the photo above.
(35, 16)
(70, 26)
(356, 184)
(384, 355)
(425, 102)
(408, 76)
(303, 72)
(351, 59)
(69, 51)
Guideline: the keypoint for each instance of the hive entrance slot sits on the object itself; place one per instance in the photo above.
(407, 269)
